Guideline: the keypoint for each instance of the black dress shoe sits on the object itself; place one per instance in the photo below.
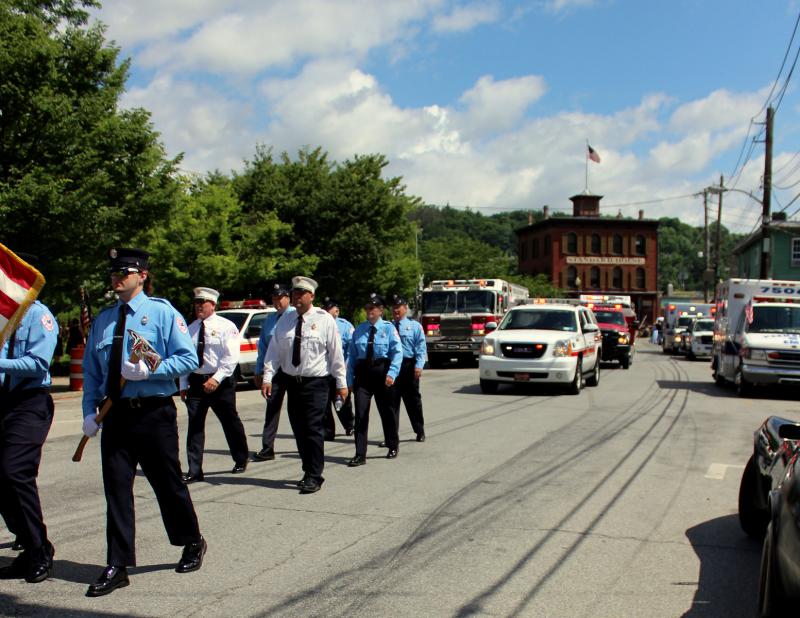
(113, 577)
(41, 563)
(421, 436)
(358, 460)
(311, 486)
(383, 444)
(265, 454)
(239, 468)
(192, 557)
(392, 453)
(17, 546)
(302, 481)
(191, 478)
(18, 568)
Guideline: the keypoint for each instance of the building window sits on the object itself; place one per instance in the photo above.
(572, 275)
(547, 244)
(595, 246)
(616, 248)
(795, 251)
(535, 248)
(572, 242)
(640, 278)
(640, 245)
(594, 278)
(616, 278)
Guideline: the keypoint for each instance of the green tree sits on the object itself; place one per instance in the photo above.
(77, 175)
(347, 216)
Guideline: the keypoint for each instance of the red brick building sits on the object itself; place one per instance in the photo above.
(589, 254)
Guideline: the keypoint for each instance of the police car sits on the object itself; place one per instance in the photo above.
(548, 341)
(248, 317)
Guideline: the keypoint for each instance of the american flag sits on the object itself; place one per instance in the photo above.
(592, 154)
(20, 284)
(748, 312)
(86, 314)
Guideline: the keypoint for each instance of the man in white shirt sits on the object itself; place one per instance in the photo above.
(307, 348)
(212, 385)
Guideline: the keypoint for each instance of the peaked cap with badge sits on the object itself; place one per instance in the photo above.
(203, 294)
(129, 258)
(304, 283)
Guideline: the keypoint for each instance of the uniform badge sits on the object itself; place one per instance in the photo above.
(144, 320)
(313, 327)
(47, 322)
(213, 333)
(181, 325)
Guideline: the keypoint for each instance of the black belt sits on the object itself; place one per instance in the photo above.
(18, 394)
(376, 362)
(302, 379)
(202, 378)
(139, 403)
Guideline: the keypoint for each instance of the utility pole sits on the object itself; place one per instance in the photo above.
(766, 250)
(718, 257)
(707, 248)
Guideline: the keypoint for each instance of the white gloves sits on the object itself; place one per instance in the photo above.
(134, 372)
(90, 426)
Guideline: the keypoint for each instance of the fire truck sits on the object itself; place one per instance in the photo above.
(616, 302)
(457, 313)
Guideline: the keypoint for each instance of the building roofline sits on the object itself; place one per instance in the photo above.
(563, 221)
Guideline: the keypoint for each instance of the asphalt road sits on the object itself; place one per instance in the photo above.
(618, 502)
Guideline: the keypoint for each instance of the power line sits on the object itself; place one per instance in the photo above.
(783, 64)
(654, 201)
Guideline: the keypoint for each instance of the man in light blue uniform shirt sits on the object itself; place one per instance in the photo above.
(26, 413)
(415, 352)
(141, 428)
(280, 300)
(344, 409)
(373, 364)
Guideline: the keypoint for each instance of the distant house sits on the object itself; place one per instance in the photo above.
(589, 254)
(784, 249)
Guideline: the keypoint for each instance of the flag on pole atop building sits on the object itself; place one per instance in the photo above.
(20, 284)
(592, 154)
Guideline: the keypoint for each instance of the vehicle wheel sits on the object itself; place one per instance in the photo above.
(594, 379)
(690, 355)
(752, 519)
(625, 362)
(488, 387)
(771, 598)
(576, 385)
(743, 387)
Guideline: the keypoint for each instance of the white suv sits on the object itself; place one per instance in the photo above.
(555, 341)
(248, 321)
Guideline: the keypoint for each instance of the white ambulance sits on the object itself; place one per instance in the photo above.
(677, 317)
(757, 333)
(248, 315)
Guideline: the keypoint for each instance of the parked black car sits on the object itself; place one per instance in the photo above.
(769, 501)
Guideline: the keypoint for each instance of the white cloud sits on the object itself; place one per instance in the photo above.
(463, 18)
(557, 6)
(498, 106)
(719, 110)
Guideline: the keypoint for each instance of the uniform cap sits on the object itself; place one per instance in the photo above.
(329, 303)
(397, 299)
(123, 257)
(280, 289)
(304, 283)
(206, 294)
(375, 299)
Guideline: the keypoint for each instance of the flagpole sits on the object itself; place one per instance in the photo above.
(586, 157)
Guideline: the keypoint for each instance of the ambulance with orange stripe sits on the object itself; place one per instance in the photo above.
(546, 340)
(248, 315)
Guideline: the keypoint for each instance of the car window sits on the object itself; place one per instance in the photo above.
(237, 317)
(254, 328)
(610, 317)
(540, 319)
(704, 325)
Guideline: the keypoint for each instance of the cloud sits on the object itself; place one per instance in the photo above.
(463, 18)
(498, 106)
(719, 110)
(558, 6)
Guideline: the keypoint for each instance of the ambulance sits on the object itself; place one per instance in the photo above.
(756, 333)
(677, 318)
(248, 315)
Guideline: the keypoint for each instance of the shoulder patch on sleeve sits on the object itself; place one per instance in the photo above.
(181, 324)
(47, 321)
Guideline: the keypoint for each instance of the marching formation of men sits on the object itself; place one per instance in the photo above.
(140, 351)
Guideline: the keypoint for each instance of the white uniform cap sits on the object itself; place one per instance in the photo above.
(206, 294)
(304, 283)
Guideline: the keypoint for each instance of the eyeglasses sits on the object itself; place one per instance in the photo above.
(123, 272)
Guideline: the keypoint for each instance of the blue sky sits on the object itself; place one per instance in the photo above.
(485, 105)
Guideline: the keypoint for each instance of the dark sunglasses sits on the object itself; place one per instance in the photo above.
(123, 272)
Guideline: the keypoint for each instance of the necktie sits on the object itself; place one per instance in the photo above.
(201, 343)
(397, 325)
(115, 359)
(7, 377)
(298, 331)
(371, 343)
